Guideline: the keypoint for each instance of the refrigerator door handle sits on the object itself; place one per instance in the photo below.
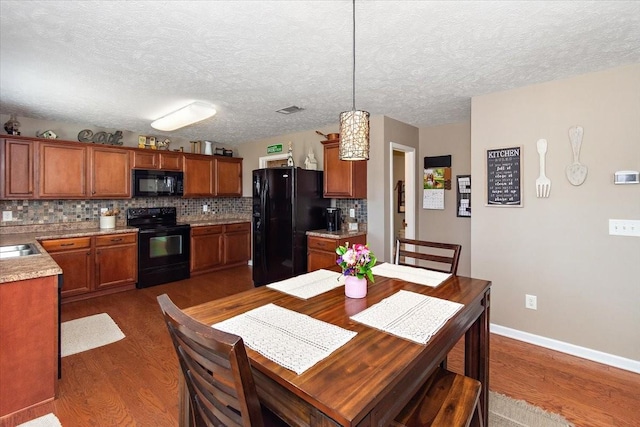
(264, 199)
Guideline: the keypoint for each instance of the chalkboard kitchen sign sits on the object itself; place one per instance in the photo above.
(504, 185)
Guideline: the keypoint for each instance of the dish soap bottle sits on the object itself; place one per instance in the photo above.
(290, 156)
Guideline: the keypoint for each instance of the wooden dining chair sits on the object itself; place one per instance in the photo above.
(447, 399)
(443, 257)
(216, 371)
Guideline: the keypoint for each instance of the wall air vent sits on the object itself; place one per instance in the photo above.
(290, 110)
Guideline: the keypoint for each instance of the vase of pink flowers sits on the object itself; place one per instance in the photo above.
(356, 263)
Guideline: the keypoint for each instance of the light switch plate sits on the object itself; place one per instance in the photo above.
(624, 227)
(353, 226)
(7, 215)
(352, 213)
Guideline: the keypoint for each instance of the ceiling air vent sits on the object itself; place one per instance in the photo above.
(290, 110)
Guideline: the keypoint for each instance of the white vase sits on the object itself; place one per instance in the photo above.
(207, 148)
(108, 221)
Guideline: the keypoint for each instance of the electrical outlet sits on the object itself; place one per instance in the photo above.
(205, 208)
(624, 227)
(531, 302)
(7, 215)
(352, 213)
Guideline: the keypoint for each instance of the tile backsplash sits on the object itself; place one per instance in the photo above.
(30, 212)
(34, 212)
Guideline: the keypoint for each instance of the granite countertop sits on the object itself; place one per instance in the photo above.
(42, 265)
(335, 234)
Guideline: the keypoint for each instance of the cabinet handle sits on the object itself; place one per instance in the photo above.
(116, 240)
(321, 244)
(88, 253)
(67, 244)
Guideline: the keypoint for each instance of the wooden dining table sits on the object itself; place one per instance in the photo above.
(368, 380)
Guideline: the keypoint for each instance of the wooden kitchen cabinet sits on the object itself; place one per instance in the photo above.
(214, 247)
(321, 251)
(170, 161)
(343, 179)
(75, 257)
(237, 243)
(206, 248)
(93, 266)
(109, 173)
(17, 169)
(29, 343)
(116, 260)
(62, 170)
(228, 176)
(154, 159)
(198, 176)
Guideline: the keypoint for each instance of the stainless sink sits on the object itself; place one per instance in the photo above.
(12, 251)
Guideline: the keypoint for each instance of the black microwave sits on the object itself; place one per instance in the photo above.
(155, 183)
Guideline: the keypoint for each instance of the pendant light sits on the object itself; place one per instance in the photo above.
(354, 124)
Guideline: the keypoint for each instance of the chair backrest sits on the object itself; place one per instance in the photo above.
(436, 256)
(216, 370)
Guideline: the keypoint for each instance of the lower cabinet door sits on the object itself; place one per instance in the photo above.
(320, 259)
(76, 271)
(206, 251)
(116, 266)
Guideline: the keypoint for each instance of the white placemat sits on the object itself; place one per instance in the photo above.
(409, 315)
(309, 285)
(421, 276)
(293, 340)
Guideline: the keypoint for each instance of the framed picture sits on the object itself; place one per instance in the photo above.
(504, 177)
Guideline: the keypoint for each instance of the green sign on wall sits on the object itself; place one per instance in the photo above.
(276, 148)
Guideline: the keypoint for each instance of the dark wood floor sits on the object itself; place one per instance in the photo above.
(133, 382)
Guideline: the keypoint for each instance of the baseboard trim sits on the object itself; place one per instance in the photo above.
(563, 347)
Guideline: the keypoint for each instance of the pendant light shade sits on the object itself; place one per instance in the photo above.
(185, 116)
(354, 135)
(354, 124)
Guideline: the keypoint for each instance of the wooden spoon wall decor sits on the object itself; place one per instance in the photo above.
(576, 172)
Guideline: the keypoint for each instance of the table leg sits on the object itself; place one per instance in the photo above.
(477, 356)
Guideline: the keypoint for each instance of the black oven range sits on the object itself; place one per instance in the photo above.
(163, 245)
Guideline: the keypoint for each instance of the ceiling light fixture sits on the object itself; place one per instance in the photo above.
(185, 116)
(354, 124)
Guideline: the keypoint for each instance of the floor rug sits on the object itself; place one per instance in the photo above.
(507, 412)
(48, 420)
(87, 333)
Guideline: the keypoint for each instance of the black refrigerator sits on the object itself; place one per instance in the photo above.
(287, 202)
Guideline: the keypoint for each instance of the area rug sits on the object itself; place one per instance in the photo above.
(48, 420)
(87, 333)
(507, 412)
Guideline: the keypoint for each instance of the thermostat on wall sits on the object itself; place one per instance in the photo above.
(626, 177)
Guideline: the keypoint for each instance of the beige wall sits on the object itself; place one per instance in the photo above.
(445, 225)
(587, 282)
(301, 142)
(384, 131)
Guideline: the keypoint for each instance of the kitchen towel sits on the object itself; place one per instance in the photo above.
(409, 315)
(293, 340)
(309, 285)
(421, 276)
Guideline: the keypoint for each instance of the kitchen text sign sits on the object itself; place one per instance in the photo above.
(504, 183)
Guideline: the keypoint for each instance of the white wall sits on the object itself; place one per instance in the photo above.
(587, 282)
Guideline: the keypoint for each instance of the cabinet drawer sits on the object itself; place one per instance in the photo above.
(241, 226)
(208, 229)
(116, 239)
(56, 245)
(322, 243)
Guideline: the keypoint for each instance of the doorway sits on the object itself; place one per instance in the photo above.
(402, 182)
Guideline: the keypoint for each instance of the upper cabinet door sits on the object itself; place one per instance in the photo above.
(110, 173)
(343, 178)
(17, 169)
(170, 161)
(62, 171)
(144, 159)
(198, 176)
(228, 176)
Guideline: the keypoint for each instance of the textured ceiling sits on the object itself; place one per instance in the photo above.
(122, 64)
